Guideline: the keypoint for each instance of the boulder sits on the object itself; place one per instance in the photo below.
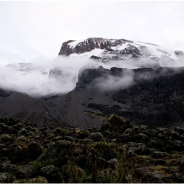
(112, 163)
(51, 173)
(118, 124)
(138, 148)
(151, 177)
(141, 138)
(3, 177)
(26, 171)
(8, 167)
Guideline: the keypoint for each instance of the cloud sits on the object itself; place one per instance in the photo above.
(42, 77)
(110, 82)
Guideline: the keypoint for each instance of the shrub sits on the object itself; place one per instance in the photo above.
(106, 176)
(105, 150)
(96, 136)
(61, 131)
(38, 179)
(5, 137)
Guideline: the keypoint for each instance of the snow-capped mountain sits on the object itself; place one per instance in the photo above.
(119, 50)
(122, 77)
(61, 75)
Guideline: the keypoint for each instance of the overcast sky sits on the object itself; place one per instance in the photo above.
(37, 29)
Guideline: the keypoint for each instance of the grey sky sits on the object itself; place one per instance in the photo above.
(37, 29)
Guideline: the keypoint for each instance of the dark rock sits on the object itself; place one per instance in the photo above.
(119, 124)
(151, 132)
(150, 177)
(138, 148)
(51, 173)
(8, 167)
(179, 53)
(152, 143)
(174, 145)
(84, 46)
(94, 57)
(179, 130)
(3, 177)
(141, 138)
(26, 171)
(112, 163)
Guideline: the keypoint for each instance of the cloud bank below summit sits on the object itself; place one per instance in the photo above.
(59, 76)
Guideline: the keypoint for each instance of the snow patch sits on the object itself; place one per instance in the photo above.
(95, 52)
(75, 43)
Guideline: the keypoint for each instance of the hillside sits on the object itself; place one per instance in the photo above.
(142, 82)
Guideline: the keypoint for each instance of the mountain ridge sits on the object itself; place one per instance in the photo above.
(117, 49)
(149, 93)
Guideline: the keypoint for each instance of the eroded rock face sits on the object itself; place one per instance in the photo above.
(83, 46)
(108, 47)
(117, 49)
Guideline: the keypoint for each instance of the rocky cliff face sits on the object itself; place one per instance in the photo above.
(73, 46)
(153, 97)
(156, 102)
(117, 49)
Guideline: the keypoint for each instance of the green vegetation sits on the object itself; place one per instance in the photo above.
(116, 153)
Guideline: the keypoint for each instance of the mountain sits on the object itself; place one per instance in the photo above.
(149, 91)
(119, 50)
(154, 101)
(19, 105)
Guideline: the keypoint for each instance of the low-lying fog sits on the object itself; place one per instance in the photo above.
(59, 76)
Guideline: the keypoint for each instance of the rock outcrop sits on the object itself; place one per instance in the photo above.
(118, 49)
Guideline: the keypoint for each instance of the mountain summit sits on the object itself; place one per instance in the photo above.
(118, 49)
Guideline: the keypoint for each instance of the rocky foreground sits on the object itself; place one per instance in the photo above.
(118, 152)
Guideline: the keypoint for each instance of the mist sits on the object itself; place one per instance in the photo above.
(43, 77)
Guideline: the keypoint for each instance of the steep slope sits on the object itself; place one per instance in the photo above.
(157, 101)
(19, 105)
